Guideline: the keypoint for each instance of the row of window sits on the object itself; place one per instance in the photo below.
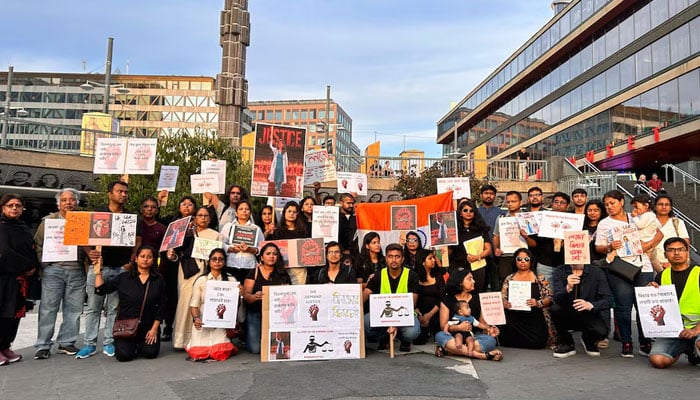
(293, 115)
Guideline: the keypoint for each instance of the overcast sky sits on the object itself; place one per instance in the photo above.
(394, 65)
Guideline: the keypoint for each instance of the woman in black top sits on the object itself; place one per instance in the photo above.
(371, 259)
(335, 271)
(131, 286)
(307, 209)
(430, 289)
(595, 212)
(412, 249)
(292, 226)
(470, 225)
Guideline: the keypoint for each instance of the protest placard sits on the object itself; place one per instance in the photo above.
(279, 161)
(53, 249)
(247, 234)
(220, 304)
(352, 182)
(519, 292)
(168, 178)
(218, 168)
(443, 228)
(318, 167)
(658, 311)
(403, 217)
(175, 234)
(492, 308)
(554, 223)
(459, 186)
(200, 183)
(141, 156)
(100, 229)
(110, 156)
(629, 236)
(325, 223)
(576, 250)
(529, 222)
(301, 252)
(202, 247)
(509, 235)
(394, 309)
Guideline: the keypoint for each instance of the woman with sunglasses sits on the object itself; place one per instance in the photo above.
(188, 271)
(470, 225)
(531, 329)
(209, 343)
(412, 249)
(18, 261)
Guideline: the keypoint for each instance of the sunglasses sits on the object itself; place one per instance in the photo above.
(412, 240)
(216, 259)
(467, 210)
(526, 259)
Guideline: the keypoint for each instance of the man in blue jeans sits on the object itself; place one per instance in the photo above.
(62, 286)
(395, 278)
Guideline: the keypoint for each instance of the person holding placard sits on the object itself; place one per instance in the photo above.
(470, 225)
(334, 271)
(270, 271)
(671, 226)
(62, 287)
(242, 253)
(505, 260)
(18, 261)
(548, 251)
(531, 329)
(188, 271)
(268, 220)
(226, 209)
(623, 289)
(292, 227)
(114, 260)
(581, 292)
(490, 213)
(141, 292)
(430, 289)
(686, 279)
(206, 342)
(152, 230)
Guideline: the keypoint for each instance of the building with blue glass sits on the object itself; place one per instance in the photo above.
(616, 80)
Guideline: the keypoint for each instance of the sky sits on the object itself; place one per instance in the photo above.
(395, 66)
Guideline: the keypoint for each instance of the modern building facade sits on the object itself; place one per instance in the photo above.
(617, 80)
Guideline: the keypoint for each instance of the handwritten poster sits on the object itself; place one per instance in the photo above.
(475, 247)
(218, 168)
(576, 250)
(141, 156)
(352, 182)
(658, 311)
(201, 183)
(110, 156)
(443, 228)
(168, 177)
(202, 247)
(492, 308)
(519, 292)
(629, 236)
(100, 229)
(318, 167)
(175, 234)
(554, 223)
(279, 161)
(529, 222)
(459, 186)
(312, 322)
(509, 235)
(326, 220)
(220, 304)
(391, 310)
(403, 218)
(53, 249)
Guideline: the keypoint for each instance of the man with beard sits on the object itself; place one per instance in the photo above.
(490, 213)
(550, 252)
(347, 228)
(504, 261)
(534, 199)
(579, 197)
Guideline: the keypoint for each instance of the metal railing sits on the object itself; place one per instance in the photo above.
(685, 178)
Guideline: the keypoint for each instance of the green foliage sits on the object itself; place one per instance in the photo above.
(412, 186)
(187, 152)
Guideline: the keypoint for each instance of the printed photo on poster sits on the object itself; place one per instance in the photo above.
(101, 226)
(403, 218)
(529, 222)
(443, 229)
(175, 234)
(629, 236)
(110, 155)
(352, 182)
(141, 156)
(280, 345)
(279, 160)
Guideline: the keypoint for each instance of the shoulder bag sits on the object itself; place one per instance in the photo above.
(127, 328)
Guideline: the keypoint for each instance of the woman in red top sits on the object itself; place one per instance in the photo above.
(655, 183)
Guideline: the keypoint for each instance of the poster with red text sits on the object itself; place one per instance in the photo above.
(278, 169)
(576, 250)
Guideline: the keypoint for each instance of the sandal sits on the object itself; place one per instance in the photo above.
(439, 351)
(494, 355)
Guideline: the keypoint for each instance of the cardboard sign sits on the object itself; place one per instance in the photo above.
(318, 167)
(459, 186)
(168, 178)
(202, 247)
(175, 234)
(509, 235)
(100, 229)
(492, 308)
(391, 310)
(110, 156)
(443, 229)
(204, 183)
(518, 294)
(141, 156)
(301, 252)
(475, 247)
(403, 218)
(529, 222)
(658, 311)
(247, 234)
(218, 168)
(325, 223)
(349, 182)
(554, 223)
(629, 236)
(53, 249)
(220, 304)
(576, 250)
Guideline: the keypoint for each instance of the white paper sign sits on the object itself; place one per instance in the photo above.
(110, 155)
(204, 183)
(325, 223)
(509, 235)
(658, 311)
(529, 221)
(220, 304)
(518, 294)
(318, 167)
(629, 236)
(218, 168)
(168, 177)
(349, 182)
(141, 156)
(554, 223)
(124, 229)
(492, 308)
(54, 250)
(391, 310)
(202, 247)
(459, 186)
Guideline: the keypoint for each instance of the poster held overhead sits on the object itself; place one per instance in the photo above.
(279, 161)
(141, 156)
(168, 178)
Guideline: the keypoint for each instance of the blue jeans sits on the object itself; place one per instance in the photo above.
(407, 333)
(253, 326)
(545, 270)
(60, 285)
(623, 293)
(94, 308)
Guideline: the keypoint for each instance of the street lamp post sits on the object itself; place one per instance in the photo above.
(107, 85)
(7, 105)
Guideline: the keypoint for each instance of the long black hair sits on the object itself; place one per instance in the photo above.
(279, 272)
(153, 271)
(477, 223)
(207, 267)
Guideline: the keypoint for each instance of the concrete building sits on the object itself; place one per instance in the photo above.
(618, 80)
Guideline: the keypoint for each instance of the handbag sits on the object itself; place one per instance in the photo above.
(128, 328)
(624, 270)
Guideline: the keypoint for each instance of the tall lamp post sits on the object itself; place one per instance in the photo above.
(8, 94)
(107, 85)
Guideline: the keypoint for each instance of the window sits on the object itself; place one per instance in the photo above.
(627, 72)
(680, 44)
(612, 41)
(643, 61)
(599, 50)
(689, 90)
(668, 102)
(660, 54)
(642, 22)
(598, 88)
(612, 80)
(659, 12)
(626, 28)
(694, 35)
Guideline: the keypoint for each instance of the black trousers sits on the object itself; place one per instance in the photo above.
(128, 349)
(590, 323)
(170, 270)
(8, 331)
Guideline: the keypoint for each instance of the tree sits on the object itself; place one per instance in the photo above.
(412, 186)
(187, 152)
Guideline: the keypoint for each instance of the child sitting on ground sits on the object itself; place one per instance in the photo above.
(479, 345)
(647, 225)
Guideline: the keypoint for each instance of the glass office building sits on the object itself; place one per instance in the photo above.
(599, 76)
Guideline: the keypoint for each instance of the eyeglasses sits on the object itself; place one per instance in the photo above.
(676, 250)
(535, 195)
(14, 205)
(334, 251)
(521, 259)
(560, 202)
(202, 215)
(412, 240)
(467, 210)
(217, 259)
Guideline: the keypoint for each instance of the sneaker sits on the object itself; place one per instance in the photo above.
(11, 355)
(85, 352)
(603, 344)
(3, 360)
(42, 354)
(564, 350)
(645, 349)
(405, 346)
(67, 349)
(108, 350)
(693, 359)
(591, 349)
(627, 350)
